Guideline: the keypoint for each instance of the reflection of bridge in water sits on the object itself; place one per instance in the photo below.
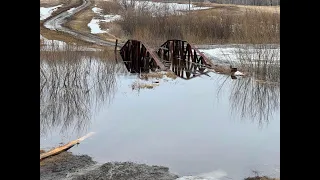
(179, 56)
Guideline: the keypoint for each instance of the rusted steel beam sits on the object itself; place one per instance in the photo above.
(155, 58)
(184, 57)
(205, 59)
(140, 56)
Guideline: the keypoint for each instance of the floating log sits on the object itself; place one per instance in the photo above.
(64, 147)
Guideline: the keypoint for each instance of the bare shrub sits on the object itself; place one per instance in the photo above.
(110, 7)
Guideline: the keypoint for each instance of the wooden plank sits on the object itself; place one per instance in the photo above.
(64, 147)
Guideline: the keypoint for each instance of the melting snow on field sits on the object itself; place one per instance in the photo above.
(165, 7)
(46, 12)
(95, 27)
(94, 24)
(146, 5)
(230, 55)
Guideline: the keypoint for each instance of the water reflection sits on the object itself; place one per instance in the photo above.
(253, 99)
(72, 85)
(76, 86)
(188, 70)
(256, 97)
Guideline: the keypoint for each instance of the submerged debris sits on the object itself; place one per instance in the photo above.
(158, 75)
(151, 80)
(142, 85)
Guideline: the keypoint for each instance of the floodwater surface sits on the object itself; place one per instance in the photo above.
(205, 124)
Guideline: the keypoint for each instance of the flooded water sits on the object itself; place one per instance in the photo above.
(210, 123)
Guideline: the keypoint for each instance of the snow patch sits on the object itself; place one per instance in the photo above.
(110, 18)
(97, 10)
(165, 7)
(151, 6)
(214, 175)
(238, 73)
(46, 12)
(70, 10)
(95, 27)
(94, 24)
(231, 55)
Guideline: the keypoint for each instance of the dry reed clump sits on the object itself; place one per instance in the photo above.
(260, 61)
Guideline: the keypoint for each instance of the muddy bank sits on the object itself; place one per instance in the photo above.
(59, 166)
(128, 171)
(261, 178)
(82, 167)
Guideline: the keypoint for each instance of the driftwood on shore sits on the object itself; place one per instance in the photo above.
(65, 147)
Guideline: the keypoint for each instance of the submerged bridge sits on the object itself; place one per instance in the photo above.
(179, 56)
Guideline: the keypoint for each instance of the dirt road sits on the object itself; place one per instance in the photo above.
(57, 23)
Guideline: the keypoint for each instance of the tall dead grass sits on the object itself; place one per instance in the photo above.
(261, 61)
(251, 26)
(109, 7)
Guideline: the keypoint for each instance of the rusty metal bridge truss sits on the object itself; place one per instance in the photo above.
(179, 56)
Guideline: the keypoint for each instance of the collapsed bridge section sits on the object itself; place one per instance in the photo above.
(138, 57)
(179, 56)
(184, 59)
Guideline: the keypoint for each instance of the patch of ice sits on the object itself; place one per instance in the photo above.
(214, 175)
(110, 18)
(94, 26)
(46, 12)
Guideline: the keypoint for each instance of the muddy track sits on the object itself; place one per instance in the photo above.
(57, 22)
